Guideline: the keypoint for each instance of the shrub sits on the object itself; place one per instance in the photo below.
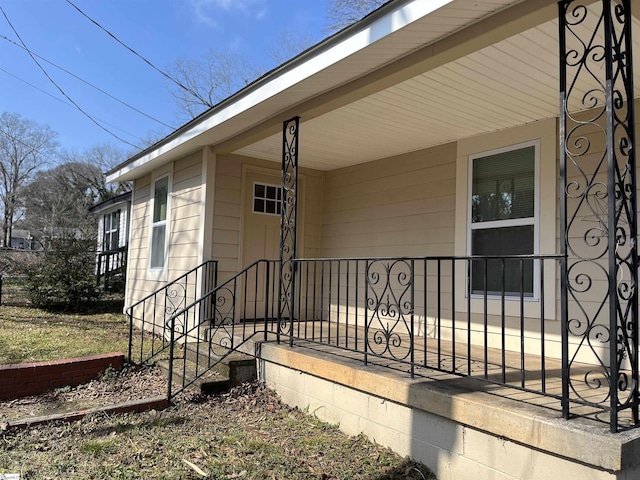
(62, 277)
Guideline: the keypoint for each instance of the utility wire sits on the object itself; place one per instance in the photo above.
(91, 85)
(60, 89)
(148, 62)
(66, 103)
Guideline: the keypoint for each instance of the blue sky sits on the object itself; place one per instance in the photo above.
(160, 30)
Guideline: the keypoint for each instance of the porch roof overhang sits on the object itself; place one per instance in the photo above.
(413, 74)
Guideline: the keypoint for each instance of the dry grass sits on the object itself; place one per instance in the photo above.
(246, 434)
(29, 334)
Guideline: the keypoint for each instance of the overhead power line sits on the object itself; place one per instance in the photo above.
(148, 62)
(91, 84)
(67, 103)
(59, 88)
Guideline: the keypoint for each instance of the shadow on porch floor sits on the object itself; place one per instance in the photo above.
(488, 376)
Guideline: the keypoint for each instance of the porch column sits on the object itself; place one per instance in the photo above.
(288, 227)
(599, 211)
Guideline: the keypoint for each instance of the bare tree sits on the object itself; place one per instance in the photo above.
(288, 45)
(342, 13)
(99, 159)
(209, 80)
(220, 74)
(25, 146)
(57, 200)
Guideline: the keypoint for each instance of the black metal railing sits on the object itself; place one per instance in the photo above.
(218, 323)
(110, 265)
(152, 315)
(485, 317)
(497, 319)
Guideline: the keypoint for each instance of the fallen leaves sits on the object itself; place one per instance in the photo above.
(244, 434)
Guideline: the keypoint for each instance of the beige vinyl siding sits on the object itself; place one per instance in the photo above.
(138, 255)
(183, 228)
(401, 206)
(226, 216)
(397, 207)
(186, 211)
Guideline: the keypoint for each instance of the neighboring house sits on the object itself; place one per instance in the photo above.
(22, 239)
(395, 170)
(113, 235)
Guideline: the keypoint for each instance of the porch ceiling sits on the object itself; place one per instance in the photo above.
(393, 32)
(414, 74)
(512, 82)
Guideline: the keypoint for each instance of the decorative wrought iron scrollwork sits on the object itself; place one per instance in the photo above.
(221, 338)
(390, 303)
(599, 224)
(288, 218)
(175, 300)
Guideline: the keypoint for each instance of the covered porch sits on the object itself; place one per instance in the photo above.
(403, 149)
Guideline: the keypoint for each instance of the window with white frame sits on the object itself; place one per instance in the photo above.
(111, 231)
(267, 199)
(503, 219)
(159, 222)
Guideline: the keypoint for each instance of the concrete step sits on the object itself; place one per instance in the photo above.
(222, 372)
(211, 382)
(236, 366)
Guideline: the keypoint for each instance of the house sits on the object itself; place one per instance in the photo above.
(23, 239)
(423, 245)
(113, 235)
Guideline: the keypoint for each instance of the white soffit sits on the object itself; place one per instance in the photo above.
(510, 83)
(412, 24)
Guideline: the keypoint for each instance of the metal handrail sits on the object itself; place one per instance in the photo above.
(479, 316)
(175, 280)
(216, 299)
(167, 292)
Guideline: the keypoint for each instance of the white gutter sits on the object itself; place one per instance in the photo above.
(390, 18)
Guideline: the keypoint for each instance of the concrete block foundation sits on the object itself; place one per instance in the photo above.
(448, 423)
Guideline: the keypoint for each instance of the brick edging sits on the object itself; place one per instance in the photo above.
(33, 378)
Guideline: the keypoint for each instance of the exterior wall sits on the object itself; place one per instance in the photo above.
(138, 256)
(400, 206)
(228, 207)
(185, 208)
(184, 219)
(395, 207)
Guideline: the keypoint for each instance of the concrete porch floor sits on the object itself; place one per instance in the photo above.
(529, 420)
(508, 381)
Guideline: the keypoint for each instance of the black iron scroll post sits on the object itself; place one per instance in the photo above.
(288, 228)
(598, 211)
